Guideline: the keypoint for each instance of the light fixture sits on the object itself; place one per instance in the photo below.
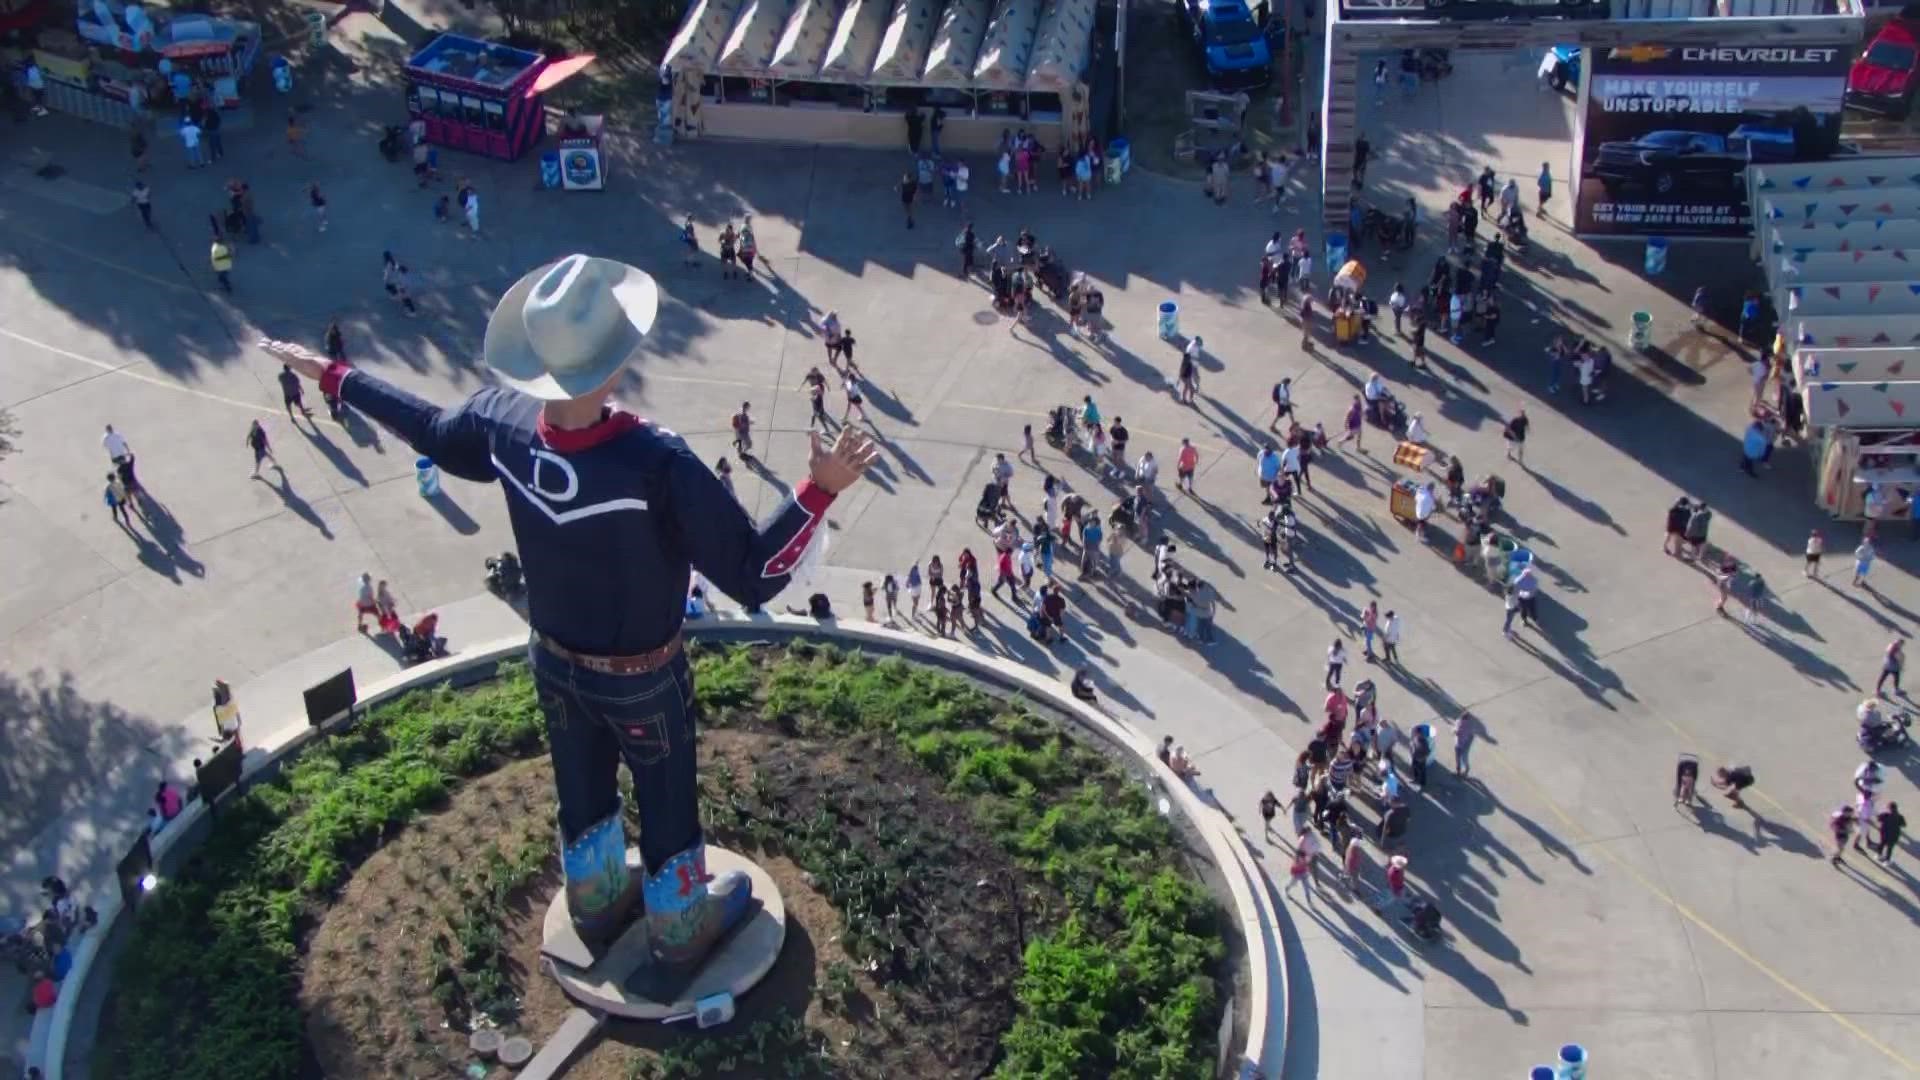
(147, 882)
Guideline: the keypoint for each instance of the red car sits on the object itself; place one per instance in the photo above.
(1883, 79)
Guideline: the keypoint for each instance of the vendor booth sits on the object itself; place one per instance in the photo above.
(1838, 249)
(120, 58)
(484, 98)
(846, 71)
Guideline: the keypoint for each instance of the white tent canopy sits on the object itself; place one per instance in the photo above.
(749, 49)
(1841, 206)
(1860, 299)
(856, 41)
(1849, 266)
(697, 44)
(904, 47)
(803, 43)
(1857, 365)
(1008, 46)
(1064, 44)
(957, 43)
(1850, 332)
(1783, 238)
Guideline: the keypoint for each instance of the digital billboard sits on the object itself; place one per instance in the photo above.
(1670, 131)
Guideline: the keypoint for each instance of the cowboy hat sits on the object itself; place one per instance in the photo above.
(1399, 861)
(563, 330)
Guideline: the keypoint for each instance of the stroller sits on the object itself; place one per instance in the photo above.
(1422, 919)
(1051, 275)
(987, 513)
(1062, 428)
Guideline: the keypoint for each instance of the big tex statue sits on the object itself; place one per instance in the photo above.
(609, 512)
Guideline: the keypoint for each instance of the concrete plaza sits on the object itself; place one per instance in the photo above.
(1581, 906)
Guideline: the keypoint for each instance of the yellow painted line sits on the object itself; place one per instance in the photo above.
(1687, 913)
(167, 283)
(250, 406)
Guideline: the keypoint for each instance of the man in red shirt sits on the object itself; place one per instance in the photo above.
(1184, 466)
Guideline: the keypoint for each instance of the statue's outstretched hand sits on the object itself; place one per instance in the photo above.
(835, 468)
(301, 359)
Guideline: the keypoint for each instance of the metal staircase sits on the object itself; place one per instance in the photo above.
(1339, 127)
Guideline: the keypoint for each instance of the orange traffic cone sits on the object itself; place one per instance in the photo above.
(1459, 551)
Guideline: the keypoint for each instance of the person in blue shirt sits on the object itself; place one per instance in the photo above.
(611, 513)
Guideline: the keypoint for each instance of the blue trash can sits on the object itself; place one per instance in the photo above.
(550, 169)
(1121, 150)
(1169, 320)
(1540, 1072)
(1336, 252)
(1656, 262)
(427, 475)
(1573, 1062)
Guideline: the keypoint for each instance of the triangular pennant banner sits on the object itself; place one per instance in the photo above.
(1896, 367)
(1849, 208)
(1899, 407)
(1881, 338)
(1766, 183)
(1774, 212)
(1827, 385)
(1841, 405)
(1898, 254)
(1846, 245)
(1912, 288)
(1880, 386)
(1802, 181)
(1873, 293)
(1858, 255)
(1847, 368)
(1810, 208)
(1884, 208)
(1832, 290)
(1837, 181)
(1845, 341)
(1875, 181)
(1795, 291)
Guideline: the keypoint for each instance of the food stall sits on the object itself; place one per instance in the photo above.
(483, 98)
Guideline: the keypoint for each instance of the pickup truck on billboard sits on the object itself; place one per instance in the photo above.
(1667, 161)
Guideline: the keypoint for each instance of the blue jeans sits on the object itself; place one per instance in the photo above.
(596, 721)
(1193, 622)
(1206, 630)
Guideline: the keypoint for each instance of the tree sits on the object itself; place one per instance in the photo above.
(9, 431)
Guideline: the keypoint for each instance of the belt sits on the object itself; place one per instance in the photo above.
(644, 664)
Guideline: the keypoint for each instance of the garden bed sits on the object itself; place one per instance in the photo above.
(972, 887)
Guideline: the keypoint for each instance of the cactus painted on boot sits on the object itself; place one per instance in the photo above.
(599, 888)
(689, 911)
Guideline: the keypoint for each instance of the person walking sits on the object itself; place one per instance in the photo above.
(908, 188)
(262, 450)
(1306, 847)
(120, 452)
(1282, 403)
(1526, 587)
(365, 603)
(1842, 823)
(1336, 662)
(397, 281)
(296, 136)
(1512, 602)
(1369, 626)
(1677, 516)
(1896, 659)
(1699, 522)
(117, 500)
(292, 395)
(220, 257)
(1184, 467)
(1892, 825)
(1189, 379)
(143, 201)
(1515, 434)
(1545, 184)
(1816, 547)
(318, 202)
(470, 209)
(743, 432)
(913, 591)
(1699, 307)
(190, 135)
(1863, 561)
(1465, 729)
(210, 127)
(1269, 805)
(1390, 638)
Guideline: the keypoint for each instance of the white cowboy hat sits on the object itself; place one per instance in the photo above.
(565, 329)
(1399, 861)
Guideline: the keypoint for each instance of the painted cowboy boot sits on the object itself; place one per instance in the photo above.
(600, 889)
(689, 913)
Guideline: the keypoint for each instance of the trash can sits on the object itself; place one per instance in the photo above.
(1540, 1072)
(1169, 320)
(1121, 150)
(1640, 337)
(550, 169)
(1336, 252)
(1573, 1062)
(316, 29)
(1115, 170)
(1656, 262)
(427, 475)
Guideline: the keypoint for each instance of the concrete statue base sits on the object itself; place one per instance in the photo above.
(597, 978)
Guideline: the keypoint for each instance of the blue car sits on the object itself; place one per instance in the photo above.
(1231, 45)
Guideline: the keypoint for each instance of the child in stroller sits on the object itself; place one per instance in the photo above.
(1061, 431)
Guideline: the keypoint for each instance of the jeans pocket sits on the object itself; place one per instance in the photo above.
(646, 723)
